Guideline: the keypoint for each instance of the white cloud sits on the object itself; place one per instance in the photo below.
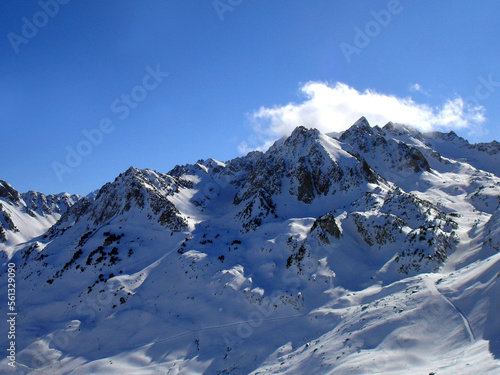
(417, 88)
(334, 108)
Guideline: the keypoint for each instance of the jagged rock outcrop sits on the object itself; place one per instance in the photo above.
(308, 165)
(25, 216)
(134, 194)
(325, 227)
(372, 144)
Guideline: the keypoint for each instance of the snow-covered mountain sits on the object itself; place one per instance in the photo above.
(372, 251)
(28, 215)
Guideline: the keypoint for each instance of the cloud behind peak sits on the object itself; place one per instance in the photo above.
(335, 107)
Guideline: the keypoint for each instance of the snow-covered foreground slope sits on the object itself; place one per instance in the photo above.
(373, 253)
(432, 323)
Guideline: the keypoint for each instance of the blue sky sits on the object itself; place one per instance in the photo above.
(239, 76)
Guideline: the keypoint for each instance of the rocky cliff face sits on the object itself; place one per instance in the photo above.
(25, 216)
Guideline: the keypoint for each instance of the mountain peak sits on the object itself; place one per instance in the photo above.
(131, 171)
(358, 129)
(400, 129)
(301, 131)
(301, 135)
(362, 123)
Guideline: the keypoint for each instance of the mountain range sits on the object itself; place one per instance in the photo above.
(371, 251)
